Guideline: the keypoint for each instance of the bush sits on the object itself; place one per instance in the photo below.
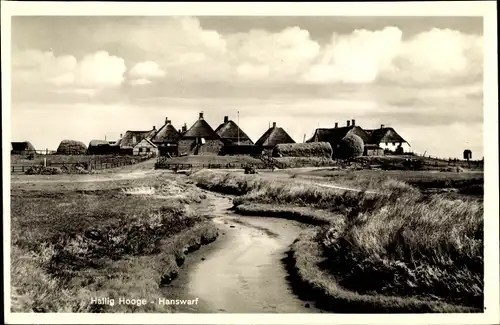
(313, 149)
(41, 170)
(250, 170)
(351, 146)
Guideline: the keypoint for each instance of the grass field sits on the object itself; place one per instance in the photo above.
(469, 183)
(418, 246)
(72, 241)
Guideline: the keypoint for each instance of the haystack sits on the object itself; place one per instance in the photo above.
(71, 147)
(313, 149)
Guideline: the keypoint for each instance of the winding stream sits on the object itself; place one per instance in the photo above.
(242, 271)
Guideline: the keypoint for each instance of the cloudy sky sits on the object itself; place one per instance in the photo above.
(89, 77)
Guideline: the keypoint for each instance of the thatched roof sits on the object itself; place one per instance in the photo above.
(166, 134)
(385, 134)
(229, 130)
(127, 141)
(22, 146)
(334, 135)
(71, 147)
(201, 129)
(274, 136)
(97, 143)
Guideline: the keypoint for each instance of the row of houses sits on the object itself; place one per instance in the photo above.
(228, 138)
(199, 139)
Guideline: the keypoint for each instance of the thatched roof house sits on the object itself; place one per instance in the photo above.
(20, 147)
(273, 136)
(231, 133)
(201, 129)
(145, 147)
(71, 147)
(200, 139)
(131, 138)
(336, 134)
(167, 134)
(385, 135)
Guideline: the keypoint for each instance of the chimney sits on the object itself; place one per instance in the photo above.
(274, 125)
(166, 120)
(154, 127)
(226, 119)
(348, 123)
(382, 126)
(353, 122)
(121, 135)
(201, 115)
(184, 128)
(336, 124)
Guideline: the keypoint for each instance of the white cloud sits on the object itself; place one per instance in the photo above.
(365, 56)
(285, 53)
(147, 70)
(100, 70)
(140, 82)
(251, 71)
(97, 70)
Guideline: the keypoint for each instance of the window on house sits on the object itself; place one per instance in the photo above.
(133, 139)
(140, 149)
(147, 149)
(386, 144)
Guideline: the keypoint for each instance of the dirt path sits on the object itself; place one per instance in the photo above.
(242, 272)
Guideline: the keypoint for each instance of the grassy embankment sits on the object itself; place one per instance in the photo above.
(425, 252)
(465, 183)
(72, 242)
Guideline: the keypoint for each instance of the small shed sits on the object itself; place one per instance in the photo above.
(21, 147)
(99, 147)
(145, 147)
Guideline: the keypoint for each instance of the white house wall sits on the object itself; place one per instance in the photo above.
(392, 147)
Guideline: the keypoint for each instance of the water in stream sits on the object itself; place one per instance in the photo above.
(242, 271)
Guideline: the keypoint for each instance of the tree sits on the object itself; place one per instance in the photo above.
(350, 146)
(467, 156)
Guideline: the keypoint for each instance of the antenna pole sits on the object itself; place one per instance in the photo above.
(238, 127)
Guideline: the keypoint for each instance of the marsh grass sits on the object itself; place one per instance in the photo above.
(70, 246)
(416, 245)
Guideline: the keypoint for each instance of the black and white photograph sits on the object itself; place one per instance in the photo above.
(316, 165)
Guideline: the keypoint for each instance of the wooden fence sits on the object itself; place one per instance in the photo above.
(91, 164)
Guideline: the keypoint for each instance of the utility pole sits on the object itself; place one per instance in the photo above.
(238, 127)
